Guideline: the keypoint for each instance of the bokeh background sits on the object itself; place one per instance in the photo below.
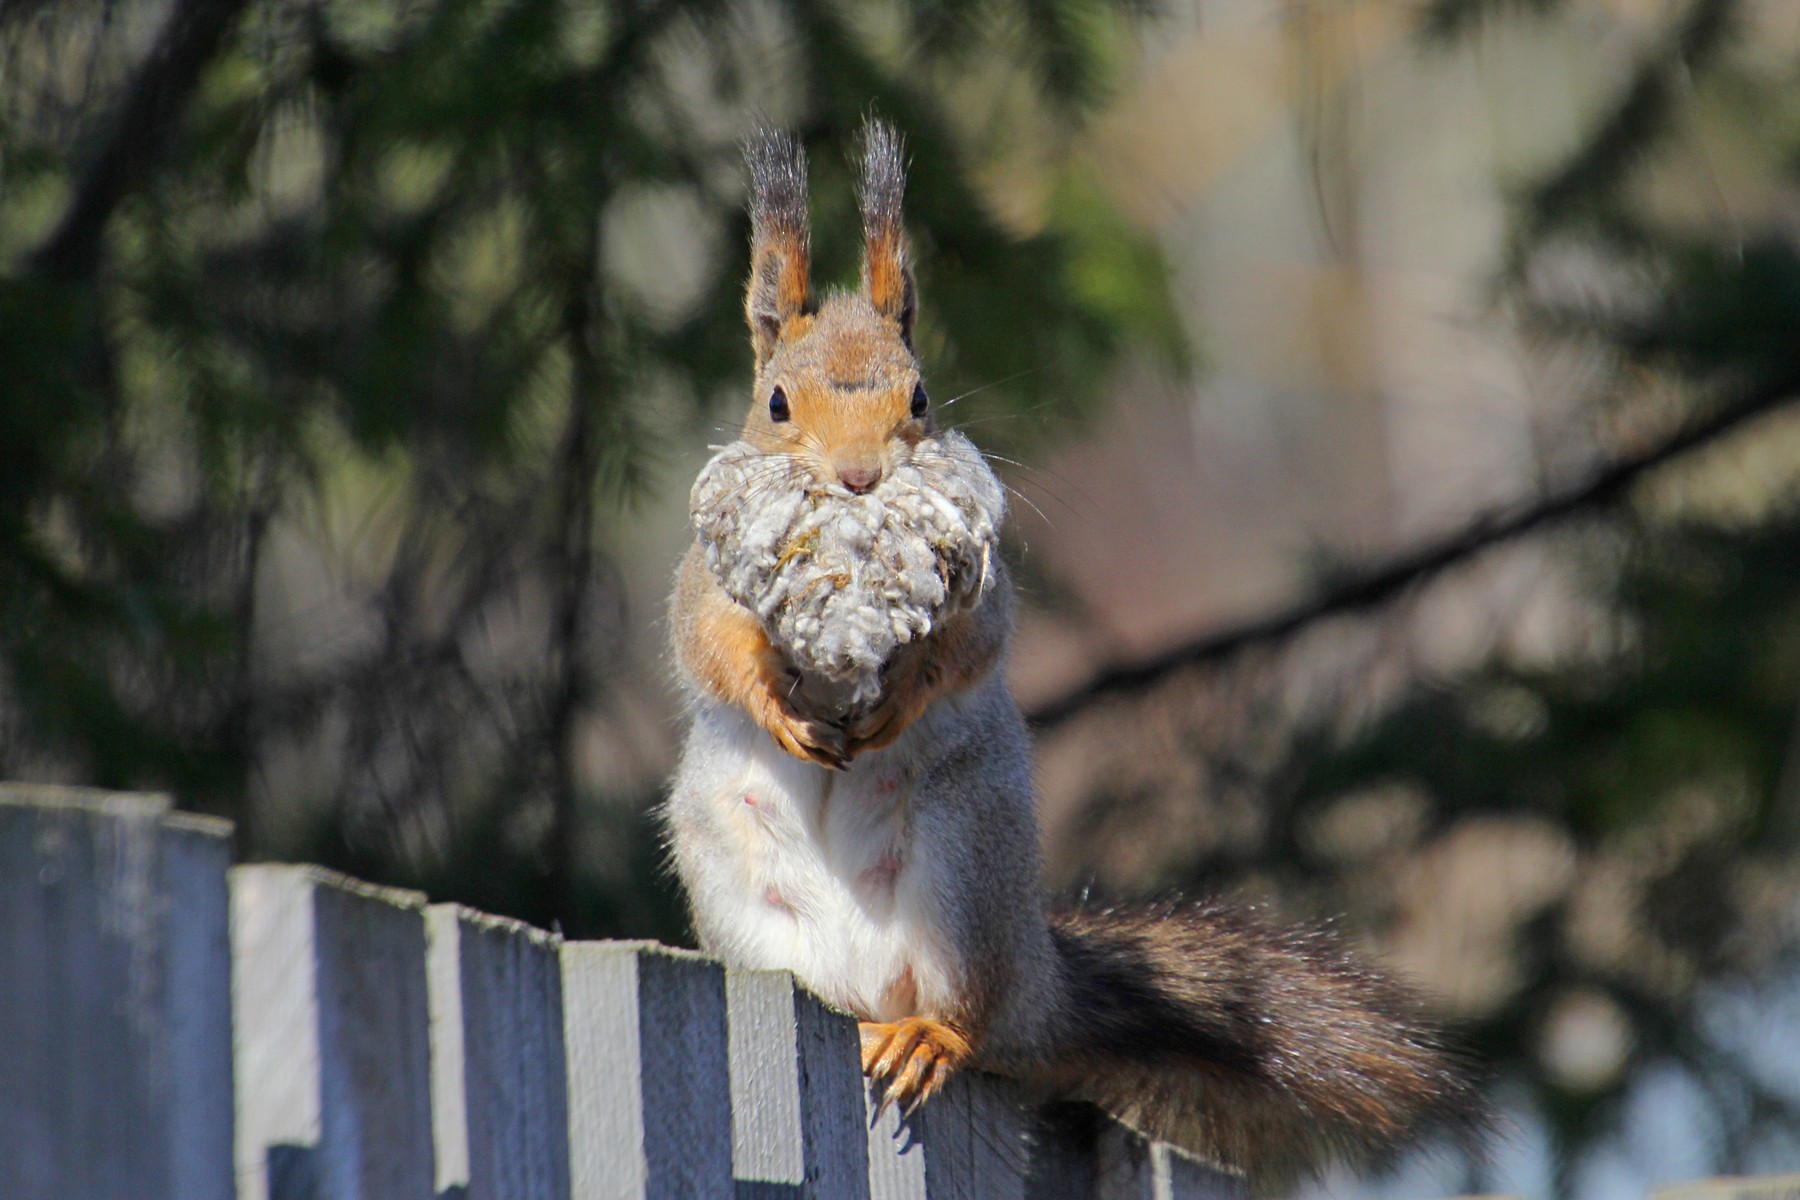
(1396, 398)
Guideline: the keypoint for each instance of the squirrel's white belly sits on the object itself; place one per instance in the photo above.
(791, 866)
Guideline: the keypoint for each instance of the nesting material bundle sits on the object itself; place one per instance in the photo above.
(841, 581)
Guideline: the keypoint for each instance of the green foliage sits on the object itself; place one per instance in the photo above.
(1662, 747)
(324, 390)
(1588, 185)
(1666, 762)
(1588, 836)
(1447, 20)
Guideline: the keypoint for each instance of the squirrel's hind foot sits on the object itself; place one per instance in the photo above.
(908, 1060)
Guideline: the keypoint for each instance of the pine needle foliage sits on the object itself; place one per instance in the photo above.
(339, 334)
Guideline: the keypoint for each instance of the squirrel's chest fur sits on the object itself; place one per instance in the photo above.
(788, 865)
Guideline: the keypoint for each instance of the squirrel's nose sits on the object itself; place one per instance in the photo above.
(860, 477)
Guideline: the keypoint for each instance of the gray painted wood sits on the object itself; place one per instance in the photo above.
(276, 1009)
(796, 1093)
(197, 1005)
(498, 1082)
(768, 1143)
(1191, 1179)
(648, 1070)
(1766, 1187)
(1125, 1166)
(449, 1079)
(1063, 1144)
(969, 1142)
(115, 1047)
(125, 958)
(1131, 1167)
(333, 1059)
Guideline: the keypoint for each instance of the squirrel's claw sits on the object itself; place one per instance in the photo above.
(882, 725)
(821, 751)
(908, 1060)
(804, 737)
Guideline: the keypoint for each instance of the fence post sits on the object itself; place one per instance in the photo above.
(796, 1093)
(115, 1039)
(333, 1059)
(1081, 1153)
(649, 1086)
(969, 1142)
(561, 1071)
(1131, 1167)
(498, 1085)
(1767, 1187)
(1063, 1146)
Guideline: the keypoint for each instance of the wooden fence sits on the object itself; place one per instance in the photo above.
(173, 1028)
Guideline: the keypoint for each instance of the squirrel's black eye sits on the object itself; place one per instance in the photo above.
(778, 406)
(919, 401)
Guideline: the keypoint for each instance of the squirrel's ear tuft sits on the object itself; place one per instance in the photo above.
(780, 238)
(887, 263)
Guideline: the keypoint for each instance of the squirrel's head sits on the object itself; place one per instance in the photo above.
(838, 387)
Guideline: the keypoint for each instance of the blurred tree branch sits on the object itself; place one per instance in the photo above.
(575, 555)
(339, 335)
(1642, 114)
(194, 33)
(1373, 586)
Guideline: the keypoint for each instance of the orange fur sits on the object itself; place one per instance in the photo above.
(720, 645)
(889, 282)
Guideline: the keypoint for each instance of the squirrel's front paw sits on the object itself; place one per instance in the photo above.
(909, 1059)
(802, 736)
(884, 723)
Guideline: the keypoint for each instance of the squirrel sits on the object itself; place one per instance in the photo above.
(890, 861)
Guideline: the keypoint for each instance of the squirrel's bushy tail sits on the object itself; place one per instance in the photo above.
(1266, 1049)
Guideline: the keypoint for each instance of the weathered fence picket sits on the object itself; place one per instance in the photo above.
(498, 1074)
(970, 1141)
(796, 1094)
(115, 985)
(332, 1037)
(1082, 1154)
(1767, 1187)
(1129, 1167)
(649, 1083)
(172, 1029)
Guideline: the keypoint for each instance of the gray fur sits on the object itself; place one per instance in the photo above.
(882, 188)
(778, 192)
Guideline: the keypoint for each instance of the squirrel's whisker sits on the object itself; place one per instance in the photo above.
(1022, 498)
(976, 391)
(1032, 475)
